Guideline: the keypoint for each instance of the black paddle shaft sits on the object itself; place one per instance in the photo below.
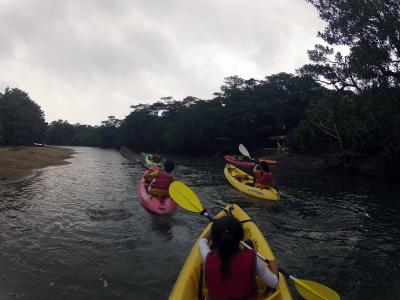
(204, 212)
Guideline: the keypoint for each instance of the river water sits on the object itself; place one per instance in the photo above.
(77, 231)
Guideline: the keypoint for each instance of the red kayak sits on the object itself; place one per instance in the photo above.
(154, 204)
(239, 161)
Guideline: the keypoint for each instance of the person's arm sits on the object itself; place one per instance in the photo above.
(203, 245)
(204, 248)
(269, 277)
(273, 266)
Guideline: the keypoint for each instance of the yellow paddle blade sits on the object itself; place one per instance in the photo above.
(311, 290)
(185, 197)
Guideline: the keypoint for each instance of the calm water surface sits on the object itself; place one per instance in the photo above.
(78, 232)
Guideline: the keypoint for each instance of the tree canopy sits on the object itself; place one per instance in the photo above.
(21, 119)
(371, 31)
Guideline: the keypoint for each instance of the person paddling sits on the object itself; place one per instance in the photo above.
(230, 272)
(161, 179)
(263, 177)
(156, 158)
(154, 161)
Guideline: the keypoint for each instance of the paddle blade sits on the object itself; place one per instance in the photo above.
(243, 150)
(127, 153)
(311, 290)
(185, 197)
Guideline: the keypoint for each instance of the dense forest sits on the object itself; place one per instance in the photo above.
(346, 105)
(243, 111)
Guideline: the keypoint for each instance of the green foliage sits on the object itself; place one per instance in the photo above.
(371, 30)
(366, 123)
(1, 133)
(1, 126)
(363, 114)
(60, 133)
(107, 135)
(22, 120)
(244, 110)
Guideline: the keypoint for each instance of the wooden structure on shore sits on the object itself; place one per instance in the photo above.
(281, 148)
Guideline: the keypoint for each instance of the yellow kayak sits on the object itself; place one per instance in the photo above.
(238, 179)
(188, 283)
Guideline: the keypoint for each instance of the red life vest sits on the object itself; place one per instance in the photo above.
(264, 178)
(241, 281)
(162, 181)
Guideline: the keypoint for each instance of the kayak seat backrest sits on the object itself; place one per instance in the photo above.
(158, 193)
(239, 175)
(262, 186)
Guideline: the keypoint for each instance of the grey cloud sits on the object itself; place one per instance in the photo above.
(85, 60)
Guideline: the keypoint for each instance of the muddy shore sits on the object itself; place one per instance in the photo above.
(19, 162)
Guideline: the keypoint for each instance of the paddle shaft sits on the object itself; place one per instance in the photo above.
(266, 260)
(140, 163)
(129, 155)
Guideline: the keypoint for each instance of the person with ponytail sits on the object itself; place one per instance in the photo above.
(230, 272)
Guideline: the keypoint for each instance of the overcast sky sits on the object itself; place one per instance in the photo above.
(82, 61)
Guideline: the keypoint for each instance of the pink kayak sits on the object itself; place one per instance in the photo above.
(239, 161)
(154, 204)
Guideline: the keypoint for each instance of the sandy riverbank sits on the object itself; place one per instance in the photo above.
(19, 162)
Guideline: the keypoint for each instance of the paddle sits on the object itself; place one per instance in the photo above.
(129, 155)
(243, 150)
(309, 290)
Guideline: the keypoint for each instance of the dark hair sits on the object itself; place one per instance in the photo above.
(169, 165)
(265, 166)
(226, 233)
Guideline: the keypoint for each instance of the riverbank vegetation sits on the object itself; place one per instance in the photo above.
(346, 105)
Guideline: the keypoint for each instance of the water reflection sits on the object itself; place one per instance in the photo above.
(162, 226)
(114, 214)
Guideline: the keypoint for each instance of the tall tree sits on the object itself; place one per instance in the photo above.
(22, 119)
(60, 133)
(371, 30)
(107, 135)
